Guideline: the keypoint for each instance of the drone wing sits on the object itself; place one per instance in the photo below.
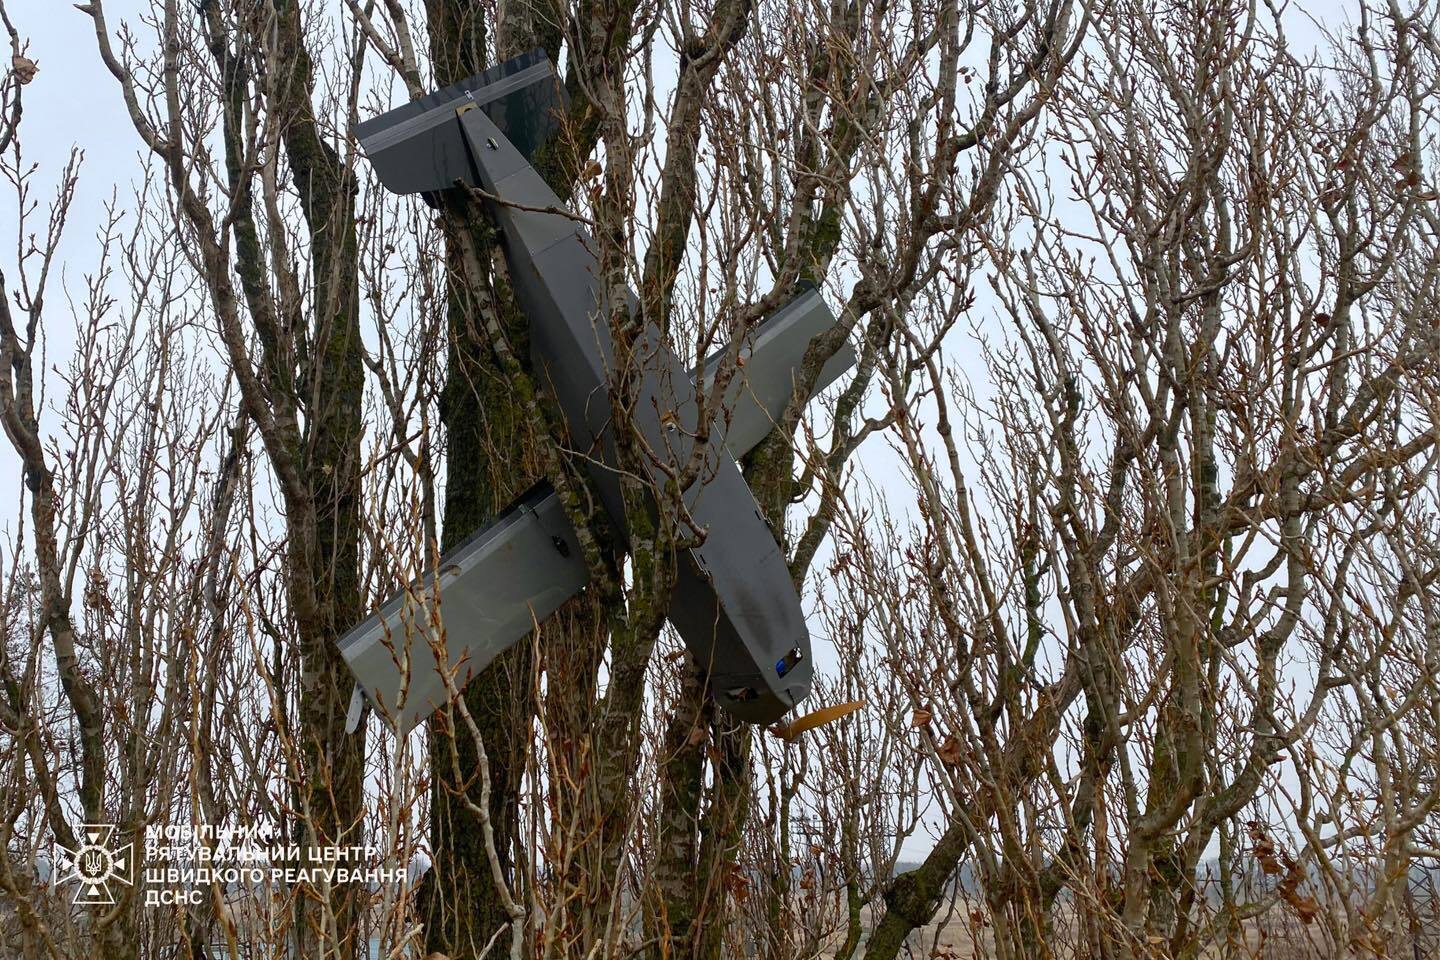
(486, 595)
(772, 358)
(517, 570)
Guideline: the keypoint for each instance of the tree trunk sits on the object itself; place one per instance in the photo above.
(326, 563)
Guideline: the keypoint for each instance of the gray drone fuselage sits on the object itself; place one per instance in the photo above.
(733, 602)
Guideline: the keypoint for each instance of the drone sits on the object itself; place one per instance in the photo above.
(734, 603)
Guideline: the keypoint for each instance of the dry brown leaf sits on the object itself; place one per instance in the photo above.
(1273, 861)
(736, 882)
(25, 68)
(1306, 908)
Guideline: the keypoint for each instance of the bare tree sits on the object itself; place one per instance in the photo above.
(1210, 408)
(1119, 541)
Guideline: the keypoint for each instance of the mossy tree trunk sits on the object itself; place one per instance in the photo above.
(490, 457)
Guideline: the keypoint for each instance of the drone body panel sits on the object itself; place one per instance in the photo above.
(733, 603)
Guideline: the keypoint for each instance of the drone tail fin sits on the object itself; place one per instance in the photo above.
(418, 147)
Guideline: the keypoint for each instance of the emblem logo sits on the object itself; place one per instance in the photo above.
(94, 864)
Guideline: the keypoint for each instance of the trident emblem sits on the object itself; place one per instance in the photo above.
(94, 864)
